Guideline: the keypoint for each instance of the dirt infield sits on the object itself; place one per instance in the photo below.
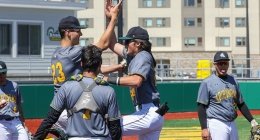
(33, 124)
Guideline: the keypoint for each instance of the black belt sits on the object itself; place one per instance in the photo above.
(155, 102)
(8, 119)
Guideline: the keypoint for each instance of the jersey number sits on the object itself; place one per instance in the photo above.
(57, 73)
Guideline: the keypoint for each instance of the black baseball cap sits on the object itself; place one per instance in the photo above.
(136, 33)
(3, 67)
(70, 22)
(221, 56)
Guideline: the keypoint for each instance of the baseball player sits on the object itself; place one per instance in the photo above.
(145, 122)
(11, 116)
(66, 59)
(102, 124)
(219, 97)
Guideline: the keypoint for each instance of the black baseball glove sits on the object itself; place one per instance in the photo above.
(162, 109)
(255, 133)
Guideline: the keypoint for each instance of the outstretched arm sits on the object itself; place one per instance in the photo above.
(112, 14)
(112, 68)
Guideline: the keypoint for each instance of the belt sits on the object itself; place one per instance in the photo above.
(155, 102)
(8, 119)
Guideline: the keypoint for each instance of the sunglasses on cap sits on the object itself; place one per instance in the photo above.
(129, 41)
(72, 30)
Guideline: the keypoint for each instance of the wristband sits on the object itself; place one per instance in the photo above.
(118, 81)
(112, 79)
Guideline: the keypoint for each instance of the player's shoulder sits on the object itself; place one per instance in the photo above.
(106, 89)
(143, 56)
(12, 83)
(210, 78)
(70, 84)
(64, 51)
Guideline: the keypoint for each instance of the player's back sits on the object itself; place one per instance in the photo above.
(65, 62)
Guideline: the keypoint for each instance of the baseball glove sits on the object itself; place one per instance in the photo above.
(58, 133)
(255, 132)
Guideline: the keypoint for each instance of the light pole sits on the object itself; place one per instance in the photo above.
(120, 32)
(247, 43)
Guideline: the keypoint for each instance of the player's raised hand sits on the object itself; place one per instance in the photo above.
(111, 10)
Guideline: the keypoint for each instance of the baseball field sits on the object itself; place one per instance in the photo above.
(180, 126)
(189, 129)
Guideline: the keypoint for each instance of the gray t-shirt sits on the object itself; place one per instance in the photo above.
(142, 64)
(10, 92)
(221, 97)
(83, 123)
(65, 62)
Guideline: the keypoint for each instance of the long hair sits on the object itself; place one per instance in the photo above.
(91, 58)
(146, 45)
(62, 32)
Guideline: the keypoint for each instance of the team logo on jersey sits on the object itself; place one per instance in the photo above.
(225, 94)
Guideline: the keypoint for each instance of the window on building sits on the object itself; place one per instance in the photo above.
(222, 3)
(160, 3)
(240, 22)
(160, 22)
(155, 22)
(5, 39)
(147, 3)
(190, 41)
(87, 22)
(240, 3)
(148, 22)
(239, 70)
(189, 22)
(223, 41)
(154, 3)
(199, 3)
(199, 22)
(29, 39)
(222, 22)
(189, 3)
(85, 41)
(83, 1)
(240, 41)
(161, 41)
(89, 3)
(200, 43)
(163, 68)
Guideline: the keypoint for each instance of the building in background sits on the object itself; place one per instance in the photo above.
(29, 33)
(183, 32)
(186, 31)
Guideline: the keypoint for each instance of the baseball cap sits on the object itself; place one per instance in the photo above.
(221, 56)
(136, 33)
(70, 22)
(3, 67)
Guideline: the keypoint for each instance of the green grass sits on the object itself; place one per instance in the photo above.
(243, 125)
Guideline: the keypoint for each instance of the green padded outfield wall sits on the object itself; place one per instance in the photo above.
(180, 95)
